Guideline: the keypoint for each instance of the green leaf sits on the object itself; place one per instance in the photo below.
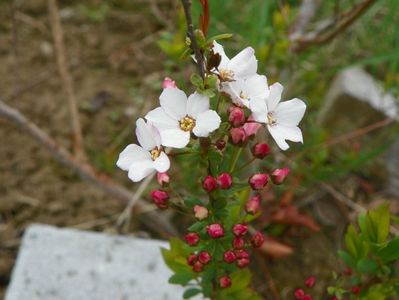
(348, 260)
(367, 266)
(182, 278)
(191, 293)
(196, 80)
(191, 201)
(390, 252)
(175, 258)
(197, 226)
(380, 220)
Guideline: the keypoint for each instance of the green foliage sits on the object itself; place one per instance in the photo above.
(371, 254)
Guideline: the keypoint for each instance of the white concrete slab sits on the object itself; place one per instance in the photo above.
(67, 264)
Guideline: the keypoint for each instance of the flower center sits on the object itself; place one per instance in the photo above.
(155, 153)
(226, 75)
(270, 119)
(187, 123)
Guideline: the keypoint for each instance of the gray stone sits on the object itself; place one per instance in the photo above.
(67, 264)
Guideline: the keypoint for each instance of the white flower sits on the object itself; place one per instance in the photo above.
(242, 91)
(241, 66)
(178, 116)
(281, 118)
(142, 161)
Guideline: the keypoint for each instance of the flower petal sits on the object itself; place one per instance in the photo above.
(281, 133)
(140, 169)
(259, 109)
(175, 138)
(144, 135)
(274, 98)
(217, 48)
(206, 122)
(244, 64)
(256, 86)
(196, 104)
(174, 102)
(290, 113)
(162, 163)
(161, 120)
(131, 154)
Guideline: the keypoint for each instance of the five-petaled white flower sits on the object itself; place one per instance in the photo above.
(178, 116)
(281, 118)
(241, 66)
(142, 161)
(242, 91)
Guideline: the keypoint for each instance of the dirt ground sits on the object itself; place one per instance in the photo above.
(117, 70)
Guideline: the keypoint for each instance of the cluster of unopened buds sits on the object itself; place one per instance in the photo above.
(182, 121)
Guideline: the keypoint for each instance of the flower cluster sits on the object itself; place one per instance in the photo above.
(178, 118)
(219, 242)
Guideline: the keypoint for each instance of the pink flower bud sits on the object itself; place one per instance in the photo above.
(200, 212)
(260, 150)
(238, 243)
(299, 294)
(191, 259)
(279, 175)
(257, 240)
(253, 205)
(198, 267)
(229, 257)
(160, 198)
(307, 297)
(348, 272)
(241, 254)
(310, 281)
(242, 262)
(209, 184)
(356, 290)
(238, 136)
(168, 83)
(251, 127)
(236, 116)
(192, 238)
(204, 257)
(240, 229)
(215, 231)
(258, 181)
(334, 298)
(224, 181)
(225, 281)
(163, 178)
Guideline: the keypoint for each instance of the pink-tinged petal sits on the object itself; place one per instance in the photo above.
(217, 48)
(259, 109)
(282, 133)
(161, 120)
(274, 98)
(235, 89)
(175, 138)
(168, 83)
(141, 169)
(144, 135)
(196, 104)
(174, 103)
(244, 64)
(131, 154)
(162, 163)
(251, 128)
(206, 122)
(290, 113)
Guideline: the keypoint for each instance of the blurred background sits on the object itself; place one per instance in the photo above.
(340, 56)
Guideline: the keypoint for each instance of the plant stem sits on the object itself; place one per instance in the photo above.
(236, 156)
(246, 164)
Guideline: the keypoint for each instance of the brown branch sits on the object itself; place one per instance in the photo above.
(190, 32)
(305, 15)
(154, 220)
(67, 82)
(300, 43)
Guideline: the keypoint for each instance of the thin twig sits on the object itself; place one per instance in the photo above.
(190, 32)
(350, 203)
(347, 18)
(67, 83)
(306, 13)
(154, 219)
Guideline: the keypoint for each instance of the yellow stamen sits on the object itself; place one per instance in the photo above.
(187, 123)
(226, 75)
(270, 119)
(155, 153)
